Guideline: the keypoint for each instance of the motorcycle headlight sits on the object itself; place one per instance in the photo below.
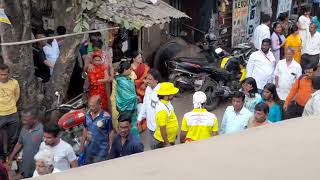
(218, 51)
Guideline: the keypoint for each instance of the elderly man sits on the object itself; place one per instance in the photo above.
(311, 51)
(30, 138)
(98, 132)
(313, 105)
(261, 65)
(236, 117)
(261, 111)
(286, 73)
(44, 163)
(199, 123)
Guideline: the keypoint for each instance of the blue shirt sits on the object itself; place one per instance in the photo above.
(99, 127)
(250, 103)
(132, 146)
(274, 113)
(234, 121)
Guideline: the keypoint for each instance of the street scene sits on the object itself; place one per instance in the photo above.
(90, 81)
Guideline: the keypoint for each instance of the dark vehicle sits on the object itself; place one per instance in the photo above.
(205, 67)
(218, 79)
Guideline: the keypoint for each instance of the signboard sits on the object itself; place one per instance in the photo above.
(254, 17)
(239, 21)
(284, 6)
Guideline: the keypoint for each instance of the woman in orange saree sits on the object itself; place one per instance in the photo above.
(141, 71)
(98, 78)
(294, 41)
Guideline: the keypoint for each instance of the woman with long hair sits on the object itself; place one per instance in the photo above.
(251, 91)
(304, 23)
(271, 98)
(141, 71)
(294, 41)
(124, 97)
(278, 42)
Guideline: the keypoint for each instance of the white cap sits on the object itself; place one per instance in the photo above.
(199, 98)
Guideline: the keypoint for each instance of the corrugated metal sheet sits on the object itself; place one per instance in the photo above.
(137, 10)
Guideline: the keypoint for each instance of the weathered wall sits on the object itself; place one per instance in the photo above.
(151, 39)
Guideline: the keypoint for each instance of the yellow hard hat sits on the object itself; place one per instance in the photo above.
(167, 88)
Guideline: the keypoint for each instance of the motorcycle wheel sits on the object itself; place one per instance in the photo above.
(173, 78)
(209, 88)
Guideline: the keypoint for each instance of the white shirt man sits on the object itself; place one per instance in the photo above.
(236, 117)
(286, 73)
(63, 154)
(312, 46)
(313, 105)
(261, 67)
(52, 52)
(235, 121)
(260, 33)
(148, 108)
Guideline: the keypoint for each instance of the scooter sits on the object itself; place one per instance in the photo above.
(72, 121)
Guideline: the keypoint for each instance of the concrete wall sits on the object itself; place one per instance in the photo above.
(286, 150)
(150, 40)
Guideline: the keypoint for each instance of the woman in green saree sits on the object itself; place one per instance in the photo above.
(124, 98)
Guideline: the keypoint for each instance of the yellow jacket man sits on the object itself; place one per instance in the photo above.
(199, 123)
(166, 119)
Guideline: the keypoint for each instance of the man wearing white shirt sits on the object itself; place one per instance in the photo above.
(313, 105)
(63, 154)
(150, 101)
(262, 31)
(261, 65)
(51, 50)
(236, 117)
(286, 73)
(311, 53)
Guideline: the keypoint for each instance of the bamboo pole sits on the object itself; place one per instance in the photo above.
(54, 37)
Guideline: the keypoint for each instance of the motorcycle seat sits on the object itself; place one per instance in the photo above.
(200, 61)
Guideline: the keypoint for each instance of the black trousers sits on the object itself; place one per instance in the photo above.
(293, 111)
(9, 123)
(309, 61)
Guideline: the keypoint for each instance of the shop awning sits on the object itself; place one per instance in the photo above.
(148, 14)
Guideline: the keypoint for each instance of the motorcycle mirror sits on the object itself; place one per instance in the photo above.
(212, 36)
(224, 31)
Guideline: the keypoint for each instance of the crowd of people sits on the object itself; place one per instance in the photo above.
(281, 84)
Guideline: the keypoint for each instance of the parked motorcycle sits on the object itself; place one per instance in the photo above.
(243, 51)
(218, 76)
(72, 120)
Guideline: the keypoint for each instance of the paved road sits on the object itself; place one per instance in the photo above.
(183, 105)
